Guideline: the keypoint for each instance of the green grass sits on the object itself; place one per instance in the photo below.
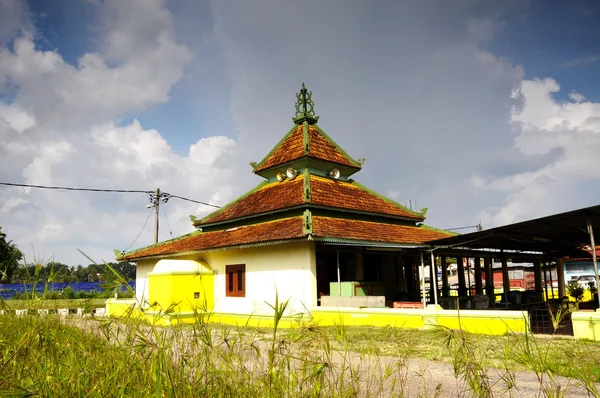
(50, 356)
(52, 304)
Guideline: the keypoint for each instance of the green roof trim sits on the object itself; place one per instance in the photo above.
(120, 255)
(281, 141)
(444, 231)
(339, 148)
(406, 209)
(256, 188)
(306, 138)
(306, 182)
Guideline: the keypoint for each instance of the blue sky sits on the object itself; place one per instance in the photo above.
(548, 38)
(455, 105)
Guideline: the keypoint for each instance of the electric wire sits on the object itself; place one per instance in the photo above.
(136, 238)
(195, 201)
(60, 188)
(167, 218)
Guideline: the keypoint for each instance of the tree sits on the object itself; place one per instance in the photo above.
(10, 256)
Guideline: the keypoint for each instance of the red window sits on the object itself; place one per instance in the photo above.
(236, 280)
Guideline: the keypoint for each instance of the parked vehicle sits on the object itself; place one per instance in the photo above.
(584, 280)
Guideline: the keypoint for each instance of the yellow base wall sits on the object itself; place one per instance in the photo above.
(586, 325)
(474, 321)
(367, 317)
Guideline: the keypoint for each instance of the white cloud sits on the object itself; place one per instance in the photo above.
(575, 96)
(60, 127)
(571, 131)
(17, 118)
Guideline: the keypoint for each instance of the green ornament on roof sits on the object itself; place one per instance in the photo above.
(305, 107)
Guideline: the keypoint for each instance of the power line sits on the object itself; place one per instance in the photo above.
(195, 201)
(167, 218)
(144, 227)
(10, 184)
(59, 188)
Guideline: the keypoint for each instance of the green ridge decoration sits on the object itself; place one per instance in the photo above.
(307, 226)
(306, 185)
(306, 137)
(406, 209)
(281, 141)
(305, 107)
(228, 205)
(349, 158)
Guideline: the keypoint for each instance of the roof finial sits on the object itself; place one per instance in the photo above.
(305, 107)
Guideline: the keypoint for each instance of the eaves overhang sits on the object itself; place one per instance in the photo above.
(216, 249)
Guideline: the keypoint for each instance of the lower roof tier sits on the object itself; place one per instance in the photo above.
(288, 229)
(309, 189)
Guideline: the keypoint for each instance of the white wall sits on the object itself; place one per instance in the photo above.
(288, 269)
(143, 267)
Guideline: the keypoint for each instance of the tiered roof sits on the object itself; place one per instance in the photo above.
(307, 194)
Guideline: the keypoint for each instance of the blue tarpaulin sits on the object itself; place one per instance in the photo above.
(8, 290)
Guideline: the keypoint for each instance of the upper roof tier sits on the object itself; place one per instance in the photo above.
(306, 141)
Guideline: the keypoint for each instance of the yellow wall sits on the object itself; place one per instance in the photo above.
(481, 322)
(329, 316)
(180, 286)
(586, 325)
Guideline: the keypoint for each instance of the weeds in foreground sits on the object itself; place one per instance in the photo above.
(52, 356)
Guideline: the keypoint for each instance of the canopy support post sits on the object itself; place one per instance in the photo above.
(423, 281)
(434, 278)
(594, 259)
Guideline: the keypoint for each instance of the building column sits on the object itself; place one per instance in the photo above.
(460, 268)
(560, 275)
(537, 273)
(445, 286)
(433, 279)
(505, 279)
(478, 282)
(489, 280)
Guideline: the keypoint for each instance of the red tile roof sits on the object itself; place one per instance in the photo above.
(322, 148)
(345, 195)
(323, 191)
(292, 148)
(274, 196)
(284, 229)
(327, 227)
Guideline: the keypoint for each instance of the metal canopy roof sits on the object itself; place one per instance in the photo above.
(560, 234)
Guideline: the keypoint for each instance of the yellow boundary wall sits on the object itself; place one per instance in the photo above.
(473, 321)
(586, 325)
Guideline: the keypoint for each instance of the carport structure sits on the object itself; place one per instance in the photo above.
(540, 241)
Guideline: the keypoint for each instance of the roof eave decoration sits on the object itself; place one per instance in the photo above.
(305, 107)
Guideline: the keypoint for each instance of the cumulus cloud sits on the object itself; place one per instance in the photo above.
(568, 130)
(59, 125)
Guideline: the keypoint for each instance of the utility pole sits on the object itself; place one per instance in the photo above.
(156, 214)
(155, 199)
